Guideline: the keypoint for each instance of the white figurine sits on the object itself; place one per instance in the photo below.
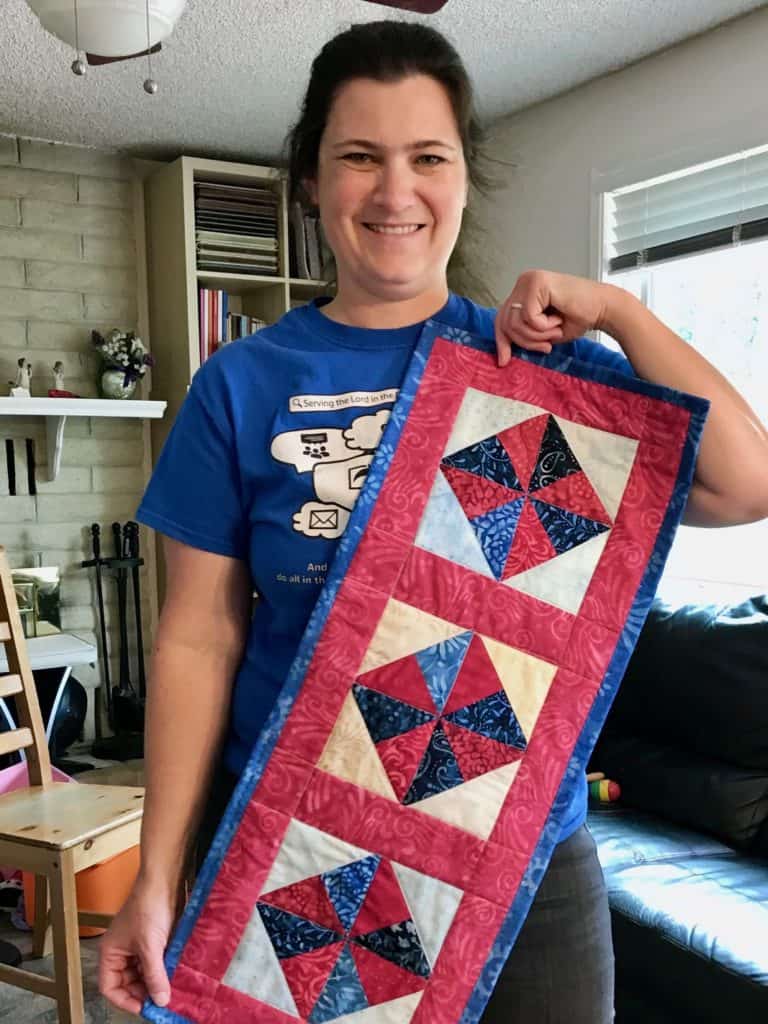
(58, 375)
(24, 374)
(23, 379)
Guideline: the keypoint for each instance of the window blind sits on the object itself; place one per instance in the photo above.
(707, 207)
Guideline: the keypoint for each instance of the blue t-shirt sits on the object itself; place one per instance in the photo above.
(264, 462)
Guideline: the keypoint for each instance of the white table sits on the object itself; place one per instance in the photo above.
(57, 650)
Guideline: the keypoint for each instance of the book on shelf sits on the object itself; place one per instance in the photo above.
(309, 252)
(299, 265)
(255, 269)
(313, 247)
(217, 325)
(236, 229)
(240, 325)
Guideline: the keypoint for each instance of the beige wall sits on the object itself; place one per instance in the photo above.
(700, 100)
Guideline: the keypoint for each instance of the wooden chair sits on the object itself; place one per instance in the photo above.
(54, 829)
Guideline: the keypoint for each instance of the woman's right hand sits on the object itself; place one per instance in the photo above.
(131, 964)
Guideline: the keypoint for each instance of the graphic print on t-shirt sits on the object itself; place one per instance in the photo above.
(337, 457)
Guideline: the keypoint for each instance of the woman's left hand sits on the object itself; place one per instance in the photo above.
(546, 308)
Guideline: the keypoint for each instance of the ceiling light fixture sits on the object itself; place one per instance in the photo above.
(110, 30)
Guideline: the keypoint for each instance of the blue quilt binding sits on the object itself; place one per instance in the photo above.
(557, 360)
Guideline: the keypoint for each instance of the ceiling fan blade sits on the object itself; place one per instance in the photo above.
(417, 6)
(94, 59)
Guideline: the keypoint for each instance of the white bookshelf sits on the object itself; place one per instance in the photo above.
(173, 277)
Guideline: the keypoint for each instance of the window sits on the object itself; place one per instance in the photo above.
(707, 279)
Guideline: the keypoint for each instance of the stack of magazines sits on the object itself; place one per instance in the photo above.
(236, 228)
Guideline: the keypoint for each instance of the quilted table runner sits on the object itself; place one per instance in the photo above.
(387, 837)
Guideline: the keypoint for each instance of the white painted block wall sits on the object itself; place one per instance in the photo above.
(68, 264)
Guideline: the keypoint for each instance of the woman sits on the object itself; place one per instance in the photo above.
(256, 481)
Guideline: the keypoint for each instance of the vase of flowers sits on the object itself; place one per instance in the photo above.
(124, 361)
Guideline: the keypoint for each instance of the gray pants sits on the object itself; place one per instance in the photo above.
(561, 968)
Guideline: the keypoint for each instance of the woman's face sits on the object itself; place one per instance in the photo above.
(391, 185)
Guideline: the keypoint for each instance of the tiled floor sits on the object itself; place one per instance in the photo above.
(20, 1007)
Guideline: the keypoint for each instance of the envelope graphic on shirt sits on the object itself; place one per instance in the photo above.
(317, 519)
(323, 519)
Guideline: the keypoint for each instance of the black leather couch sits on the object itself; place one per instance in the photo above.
(685, 851)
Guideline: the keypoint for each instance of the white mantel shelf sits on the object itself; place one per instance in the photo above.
(123, 407)
(56, 411)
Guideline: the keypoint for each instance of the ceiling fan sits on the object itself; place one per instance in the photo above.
(110, 30)
(113, 30)
(417, 6)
